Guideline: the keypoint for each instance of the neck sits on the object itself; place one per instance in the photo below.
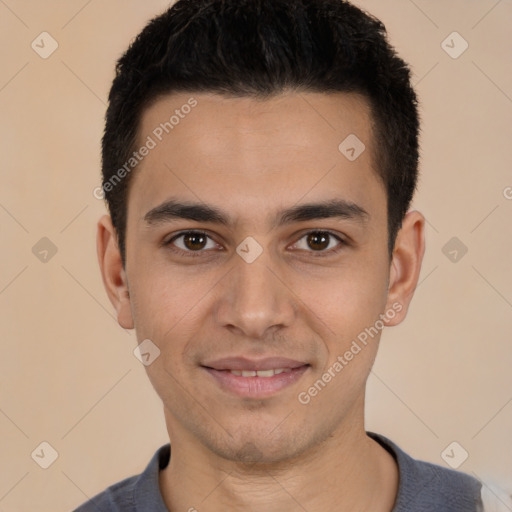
(349, 471)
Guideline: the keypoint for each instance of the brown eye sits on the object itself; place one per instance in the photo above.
(318, 240)
(191, 243)
(194, 241)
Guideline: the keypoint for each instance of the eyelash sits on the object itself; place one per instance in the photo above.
(194, 254)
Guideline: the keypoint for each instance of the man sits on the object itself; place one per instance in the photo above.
(259, 161)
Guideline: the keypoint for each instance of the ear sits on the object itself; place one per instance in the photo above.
(112, 271)
(405, 266)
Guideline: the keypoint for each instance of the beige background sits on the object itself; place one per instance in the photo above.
(68, 375)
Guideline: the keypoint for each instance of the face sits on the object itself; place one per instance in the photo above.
(253, 244)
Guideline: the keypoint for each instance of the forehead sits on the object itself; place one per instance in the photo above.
(251, 153)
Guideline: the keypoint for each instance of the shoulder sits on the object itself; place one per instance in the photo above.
(133, 494)
(117, 497)
(426, 487)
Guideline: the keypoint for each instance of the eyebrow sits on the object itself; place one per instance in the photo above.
(335, 208)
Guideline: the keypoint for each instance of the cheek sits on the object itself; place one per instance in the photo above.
(348, 299)
(166, 300)
(171, 301)
(351, 313)
(349, 304)
(167, 310)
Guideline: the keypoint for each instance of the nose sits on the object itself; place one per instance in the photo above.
(255, 299)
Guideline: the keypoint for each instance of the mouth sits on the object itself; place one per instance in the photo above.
(255, 378)
(259, 373)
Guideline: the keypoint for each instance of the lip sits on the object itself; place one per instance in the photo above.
(242, 363)
(255, 387)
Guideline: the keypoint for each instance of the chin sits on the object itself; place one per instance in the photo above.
(250, 447)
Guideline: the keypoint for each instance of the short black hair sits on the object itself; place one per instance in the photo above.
(259, 49)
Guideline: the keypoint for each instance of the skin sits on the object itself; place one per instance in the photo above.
(251, 159)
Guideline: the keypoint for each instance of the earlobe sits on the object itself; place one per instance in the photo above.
(112, 271)
(405, 265)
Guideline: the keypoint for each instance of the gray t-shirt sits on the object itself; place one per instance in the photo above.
(423, 487)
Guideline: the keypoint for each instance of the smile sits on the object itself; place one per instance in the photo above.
(256, 384)
(260, 373)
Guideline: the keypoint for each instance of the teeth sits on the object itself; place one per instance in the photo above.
(265, 373)
(260, 373)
